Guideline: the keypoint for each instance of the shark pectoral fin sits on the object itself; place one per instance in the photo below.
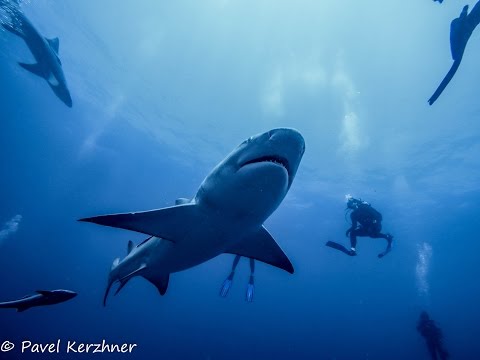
(160, 282)
(33, 68)
(22, 308)
(167, 223)
(120, 287)
(261, 246)
(54, 43)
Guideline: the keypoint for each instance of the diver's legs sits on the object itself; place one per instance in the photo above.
(444, 355)
(432, 349)
(250, 286)
(353, 238)
(228, 281)
(376, 234)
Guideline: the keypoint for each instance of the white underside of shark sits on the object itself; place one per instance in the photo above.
(225, 216)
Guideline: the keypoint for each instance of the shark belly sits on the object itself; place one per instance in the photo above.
(212, 237)
(52, 80)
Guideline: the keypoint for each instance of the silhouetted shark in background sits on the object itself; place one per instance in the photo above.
(41, 298)
(461, 29)
(225, 216)
(45, 51)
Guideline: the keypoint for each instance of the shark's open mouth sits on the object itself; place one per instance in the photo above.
(273, 159)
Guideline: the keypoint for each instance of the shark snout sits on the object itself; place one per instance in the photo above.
(70, 294)
(289, 136)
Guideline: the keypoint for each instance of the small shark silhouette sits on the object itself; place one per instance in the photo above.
(45, 51)
(225, 216)
(41, 298)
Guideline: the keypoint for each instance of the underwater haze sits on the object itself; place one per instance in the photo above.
(162, 91)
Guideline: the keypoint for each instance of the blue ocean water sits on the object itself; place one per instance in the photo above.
(162, 91)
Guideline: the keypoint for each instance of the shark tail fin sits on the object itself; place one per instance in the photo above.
(123, 281)
(111, 280)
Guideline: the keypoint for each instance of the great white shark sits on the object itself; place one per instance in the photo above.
(41, 298)
(226, 215)
(48, 65)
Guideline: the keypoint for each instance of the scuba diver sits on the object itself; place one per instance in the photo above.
(461, 29)
(433, 336)
(228, 281)
(366, 221)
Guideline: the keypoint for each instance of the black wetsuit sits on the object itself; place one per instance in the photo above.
(366, 221)
(433, 337)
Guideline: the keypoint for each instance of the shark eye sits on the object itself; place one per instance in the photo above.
(247, 141)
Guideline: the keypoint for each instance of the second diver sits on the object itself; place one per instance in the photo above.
(366, 221)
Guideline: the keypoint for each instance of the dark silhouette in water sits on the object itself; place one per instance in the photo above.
(41, 298)
(433, 336)
(228, 281)
(45, 51)
(461, 29)
(366, 221)
(440, 1)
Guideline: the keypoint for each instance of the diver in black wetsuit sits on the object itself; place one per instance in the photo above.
(461, 29)
(366, 221)
(433, 336)
(229, 280)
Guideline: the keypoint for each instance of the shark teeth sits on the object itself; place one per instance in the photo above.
(273, 159)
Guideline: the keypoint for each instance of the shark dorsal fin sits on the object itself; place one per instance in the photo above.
(130, 246)
(54, 43)
(43, 292)
(261, 246)
(181, 201)
(160, 282)
(33, 68)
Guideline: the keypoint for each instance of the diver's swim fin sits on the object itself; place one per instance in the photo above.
(250, 290)
(339, 247)
(226, 285)
(387, 250)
